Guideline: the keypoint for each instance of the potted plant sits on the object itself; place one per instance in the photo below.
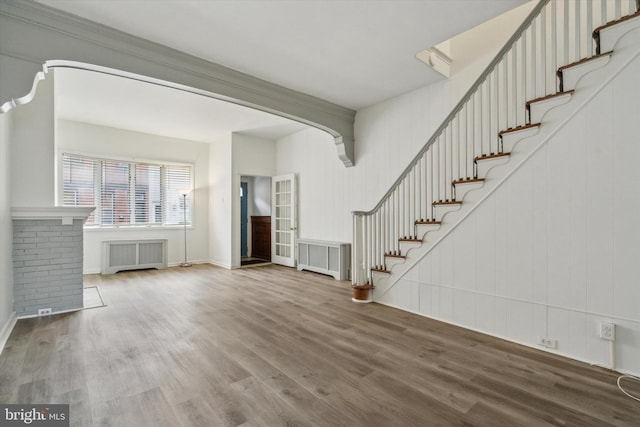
(362, 293)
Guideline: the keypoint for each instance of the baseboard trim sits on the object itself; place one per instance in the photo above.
(220, 264)
(193, 262)
(7, 329)
(31, 316)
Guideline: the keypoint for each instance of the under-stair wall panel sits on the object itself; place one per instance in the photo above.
(626, 198)
(579, 221)
(466, 254)
(562, 235)
(540, 228)
(599, 144)
(519, 190)
(486, 260)
(500, 243)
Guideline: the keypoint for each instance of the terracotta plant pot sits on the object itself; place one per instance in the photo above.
(361, 293)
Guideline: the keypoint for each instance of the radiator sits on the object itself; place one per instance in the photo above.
(119, 255)
(332, 258)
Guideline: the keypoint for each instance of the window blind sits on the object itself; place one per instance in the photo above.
(79, 183)
(177, 178)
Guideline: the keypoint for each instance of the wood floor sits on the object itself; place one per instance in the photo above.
(270, 346)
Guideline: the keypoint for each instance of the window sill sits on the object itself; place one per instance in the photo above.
(98, 228)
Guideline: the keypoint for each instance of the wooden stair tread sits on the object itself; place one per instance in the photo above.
(561, 70)
(596, 32)
(467, 181)
(490, 156)
(446, 202)
(395, 256)
(517, 129)
(380, 270)
(582, 61)
(547, 97)
(410, 239)
(428, 222)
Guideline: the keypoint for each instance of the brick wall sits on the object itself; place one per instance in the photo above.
(47, 265)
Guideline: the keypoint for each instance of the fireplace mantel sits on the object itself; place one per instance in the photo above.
(66, 213)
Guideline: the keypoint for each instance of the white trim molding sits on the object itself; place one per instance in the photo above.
(6, 330)
(33, 34)
(66, 213)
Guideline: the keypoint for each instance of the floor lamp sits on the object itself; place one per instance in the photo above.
(184, 192)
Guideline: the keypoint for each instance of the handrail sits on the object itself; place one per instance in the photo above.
(514, 38)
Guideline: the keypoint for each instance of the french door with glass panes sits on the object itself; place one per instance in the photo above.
(283, 220)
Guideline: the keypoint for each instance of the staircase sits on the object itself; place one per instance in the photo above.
(510, 104)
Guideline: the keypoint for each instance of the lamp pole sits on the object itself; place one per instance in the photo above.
(184, 210)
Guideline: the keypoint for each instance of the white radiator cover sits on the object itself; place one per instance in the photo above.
(119, 255)
(332, 258)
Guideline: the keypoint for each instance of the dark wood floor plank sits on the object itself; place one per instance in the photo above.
(274, 346)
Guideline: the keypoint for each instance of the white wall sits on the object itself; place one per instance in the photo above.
(554, 250)
(101, 141)
(220, 202)
(323, 182)
(32, 150)
(7, 315)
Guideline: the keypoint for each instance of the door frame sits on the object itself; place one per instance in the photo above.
(235, 217)
(292, 260)
(244, 240)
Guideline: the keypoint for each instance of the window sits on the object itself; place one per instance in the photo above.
(127, 193)
(79, 176)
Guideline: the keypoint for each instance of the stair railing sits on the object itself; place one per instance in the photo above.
(555, 33)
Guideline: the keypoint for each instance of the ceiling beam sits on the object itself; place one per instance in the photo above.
(32, 34)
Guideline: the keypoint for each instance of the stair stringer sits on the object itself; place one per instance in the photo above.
(626, 51)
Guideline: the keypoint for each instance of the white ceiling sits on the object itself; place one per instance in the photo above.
(118, 102)
(350, 52)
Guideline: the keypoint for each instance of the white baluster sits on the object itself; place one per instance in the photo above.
(525, 82)
(554, 43)
(577, 30)
(396, 221)
(419, 194)
(379, 240)
(543, 50)
(430, 194)
(493, 132)
(534, 54)
(589, 28)
(357, 264)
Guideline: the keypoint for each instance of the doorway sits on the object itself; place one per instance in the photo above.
(243, 219)
(255, 220)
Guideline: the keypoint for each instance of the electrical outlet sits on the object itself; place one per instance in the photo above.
(608, 331)
(44, 312)
(547, 342)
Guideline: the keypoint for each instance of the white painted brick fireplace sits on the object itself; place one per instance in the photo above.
(47, 259)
